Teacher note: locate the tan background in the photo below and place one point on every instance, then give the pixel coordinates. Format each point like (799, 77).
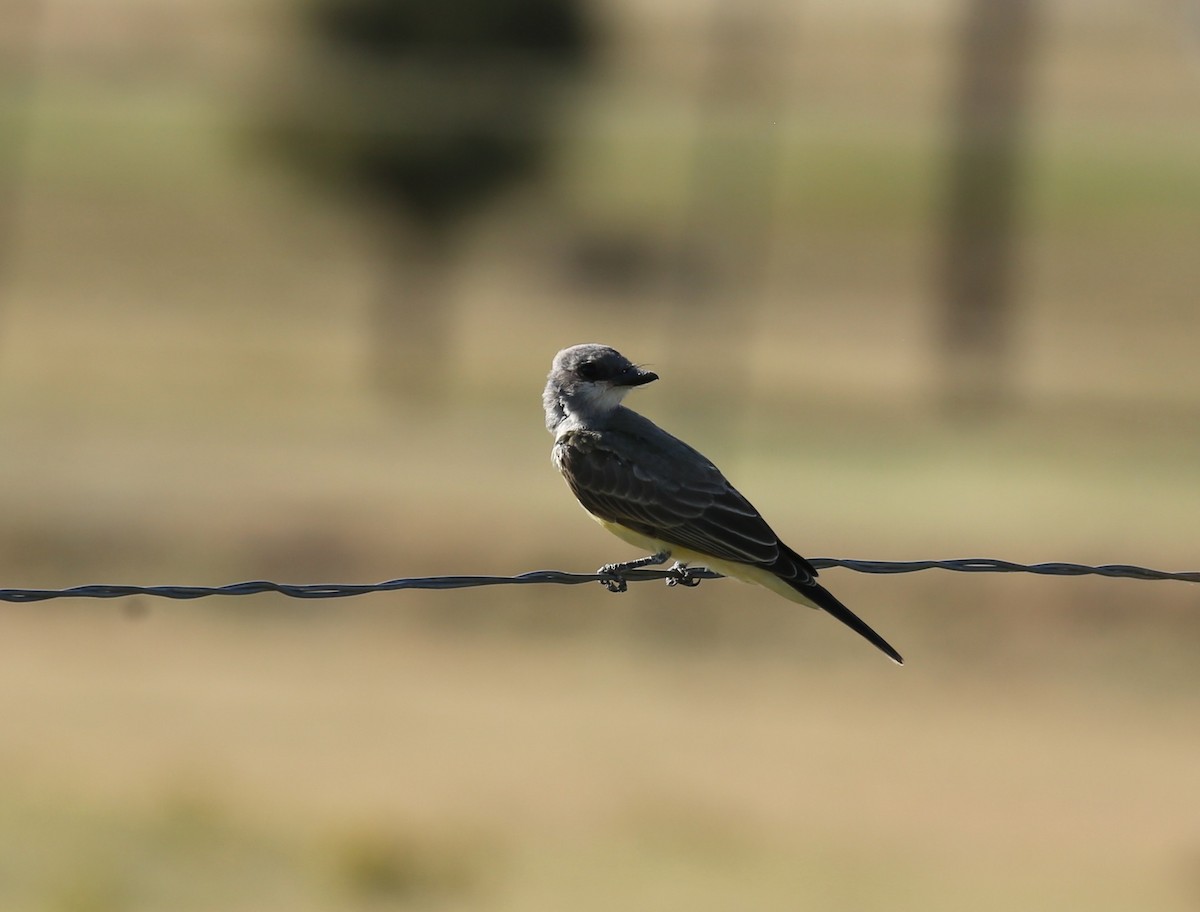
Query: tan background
(183, 400)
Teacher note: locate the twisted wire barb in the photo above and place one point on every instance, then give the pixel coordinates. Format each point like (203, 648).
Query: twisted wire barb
(343, 590)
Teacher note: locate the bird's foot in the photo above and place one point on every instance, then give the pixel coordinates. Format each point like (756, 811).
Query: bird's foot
(617, 582)
(682, 576)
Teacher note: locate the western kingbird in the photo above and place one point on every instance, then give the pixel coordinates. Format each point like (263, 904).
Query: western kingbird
(654, 491)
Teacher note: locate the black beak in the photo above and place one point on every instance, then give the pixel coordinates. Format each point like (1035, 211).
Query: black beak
(635, 376)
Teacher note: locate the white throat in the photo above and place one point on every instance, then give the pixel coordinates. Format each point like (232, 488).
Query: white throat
(588, 407)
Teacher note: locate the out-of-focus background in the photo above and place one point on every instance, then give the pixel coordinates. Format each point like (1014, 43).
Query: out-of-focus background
(279, 285)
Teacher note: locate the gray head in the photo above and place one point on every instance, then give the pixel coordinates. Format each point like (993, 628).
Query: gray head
(587, 382)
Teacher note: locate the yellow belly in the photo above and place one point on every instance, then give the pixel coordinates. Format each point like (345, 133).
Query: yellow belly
(745, 572)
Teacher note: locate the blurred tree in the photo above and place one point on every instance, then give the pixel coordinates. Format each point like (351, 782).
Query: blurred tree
(423, 110)
(979, 247)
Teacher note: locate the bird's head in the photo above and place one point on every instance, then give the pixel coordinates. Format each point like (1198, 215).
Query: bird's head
(589, 381)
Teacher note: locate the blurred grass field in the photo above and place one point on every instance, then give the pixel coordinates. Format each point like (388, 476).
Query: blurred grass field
(182, 393)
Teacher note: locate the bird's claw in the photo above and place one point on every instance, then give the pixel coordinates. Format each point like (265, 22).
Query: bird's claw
(682, 576)
(617, 582)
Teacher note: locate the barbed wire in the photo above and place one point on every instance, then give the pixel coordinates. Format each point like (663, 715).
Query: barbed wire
(538, 577)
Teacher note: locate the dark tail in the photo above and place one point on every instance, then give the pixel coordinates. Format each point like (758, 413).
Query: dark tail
(822, 597)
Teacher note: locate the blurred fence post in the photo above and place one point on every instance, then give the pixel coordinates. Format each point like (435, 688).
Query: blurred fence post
(734, 176)
(980, 222)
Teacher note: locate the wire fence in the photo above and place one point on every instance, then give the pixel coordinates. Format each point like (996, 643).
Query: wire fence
(539, 577)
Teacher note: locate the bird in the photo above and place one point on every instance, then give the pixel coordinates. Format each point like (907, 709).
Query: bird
(656, 492)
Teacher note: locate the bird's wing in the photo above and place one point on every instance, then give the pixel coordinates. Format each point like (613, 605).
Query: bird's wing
(662, 488)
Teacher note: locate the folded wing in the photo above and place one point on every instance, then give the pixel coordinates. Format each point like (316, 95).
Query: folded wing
(677, 497)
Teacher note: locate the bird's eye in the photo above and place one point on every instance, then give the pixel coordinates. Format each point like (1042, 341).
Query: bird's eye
(589, 370)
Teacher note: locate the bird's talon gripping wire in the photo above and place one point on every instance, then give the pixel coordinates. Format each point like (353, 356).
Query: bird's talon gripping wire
(617, 582)
(681, 576)
(615, 570)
